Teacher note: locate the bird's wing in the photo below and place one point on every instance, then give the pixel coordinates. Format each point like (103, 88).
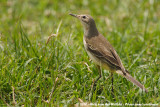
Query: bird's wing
(105, 55)
(116, 56)
(104, 51)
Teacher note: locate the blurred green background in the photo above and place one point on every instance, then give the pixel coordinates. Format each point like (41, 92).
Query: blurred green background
(34, 72)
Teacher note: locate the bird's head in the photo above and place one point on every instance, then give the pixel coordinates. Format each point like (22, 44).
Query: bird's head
(88, 23)
(86, 20)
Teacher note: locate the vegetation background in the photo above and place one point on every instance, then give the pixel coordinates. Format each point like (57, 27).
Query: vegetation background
(59, 72)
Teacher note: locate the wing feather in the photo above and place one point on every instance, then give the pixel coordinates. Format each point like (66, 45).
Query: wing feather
(105, 57)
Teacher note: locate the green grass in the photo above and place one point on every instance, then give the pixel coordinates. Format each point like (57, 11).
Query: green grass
(29, 67)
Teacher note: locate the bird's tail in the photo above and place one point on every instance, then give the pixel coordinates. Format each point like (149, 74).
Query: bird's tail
(133, 80)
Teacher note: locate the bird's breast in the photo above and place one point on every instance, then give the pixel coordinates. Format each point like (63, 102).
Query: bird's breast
(94, 58)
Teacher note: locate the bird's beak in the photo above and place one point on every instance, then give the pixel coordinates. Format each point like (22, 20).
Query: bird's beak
(74, 15)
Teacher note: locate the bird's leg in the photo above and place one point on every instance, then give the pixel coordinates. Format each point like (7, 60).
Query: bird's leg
(94, 83)
(112, 82)
(100, 75)
(112, 87)
(111, 75)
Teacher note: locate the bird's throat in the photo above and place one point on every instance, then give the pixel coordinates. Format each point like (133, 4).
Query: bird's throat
(90, 31)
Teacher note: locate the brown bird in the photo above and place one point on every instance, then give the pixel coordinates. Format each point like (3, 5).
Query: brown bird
(101, 51)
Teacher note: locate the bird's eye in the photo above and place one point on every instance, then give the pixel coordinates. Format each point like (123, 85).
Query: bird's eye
(83, 17)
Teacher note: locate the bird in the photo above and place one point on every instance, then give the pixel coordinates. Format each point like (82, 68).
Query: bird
(101, 51)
